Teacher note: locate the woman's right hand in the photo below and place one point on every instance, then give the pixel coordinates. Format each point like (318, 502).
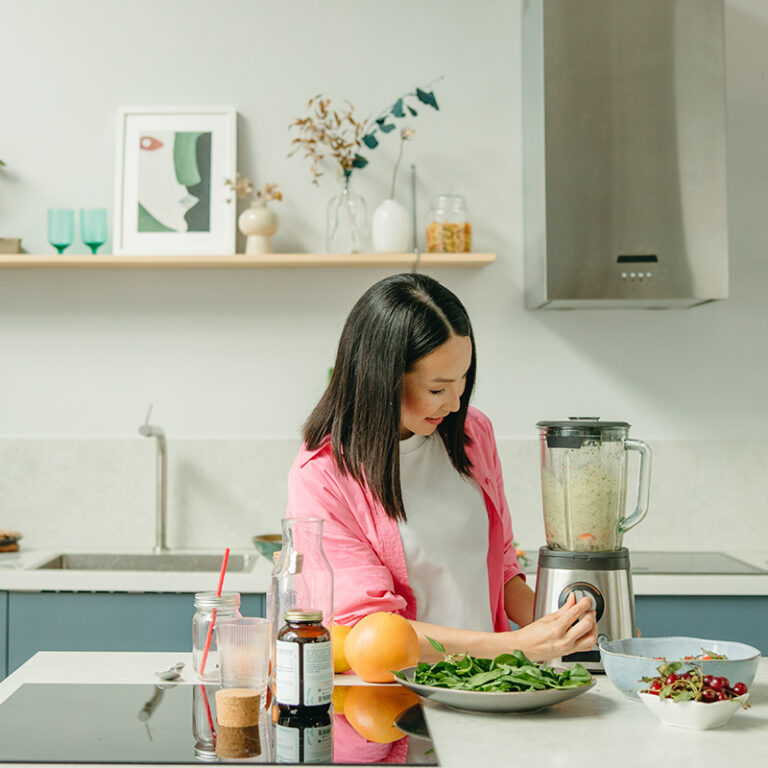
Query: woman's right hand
(569, 629)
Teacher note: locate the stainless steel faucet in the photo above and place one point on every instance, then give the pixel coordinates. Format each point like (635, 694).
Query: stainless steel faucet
(161, 504)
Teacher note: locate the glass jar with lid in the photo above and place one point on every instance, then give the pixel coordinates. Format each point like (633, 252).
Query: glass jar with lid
(210, 607)
(449, 230)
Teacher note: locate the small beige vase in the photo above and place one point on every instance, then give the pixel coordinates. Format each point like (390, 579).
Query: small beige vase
(258, 223)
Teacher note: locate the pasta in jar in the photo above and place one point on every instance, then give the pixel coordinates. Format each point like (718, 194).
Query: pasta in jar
(449, 231)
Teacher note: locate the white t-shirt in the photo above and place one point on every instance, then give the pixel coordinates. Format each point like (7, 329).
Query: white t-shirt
(445, 539)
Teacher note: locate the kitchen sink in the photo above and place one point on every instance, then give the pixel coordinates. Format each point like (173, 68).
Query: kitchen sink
(165, 561)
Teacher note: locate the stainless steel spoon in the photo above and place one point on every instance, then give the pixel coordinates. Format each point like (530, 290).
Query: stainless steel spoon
(172, 672)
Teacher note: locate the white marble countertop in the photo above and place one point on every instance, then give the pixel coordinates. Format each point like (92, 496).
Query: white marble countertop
(598, 729)
(18, 574)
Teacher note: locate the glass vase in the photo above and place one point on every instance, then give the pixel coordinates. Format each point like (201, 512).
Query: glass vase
(346, 222)
(302, 578)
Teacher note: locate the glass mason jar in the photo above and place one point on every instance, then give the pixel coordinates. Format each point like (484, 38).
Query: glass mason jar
(209, 607)
(346, 222)
(449, 230)
(204, 722)
(302, 578)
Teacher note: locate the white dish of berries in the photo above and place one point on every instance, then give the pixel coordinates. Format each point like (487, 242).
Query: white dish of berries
(687, 699)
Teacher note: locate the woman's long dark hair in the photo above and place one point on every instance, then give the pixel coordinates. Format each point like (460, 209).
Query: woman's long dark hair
(395, 323)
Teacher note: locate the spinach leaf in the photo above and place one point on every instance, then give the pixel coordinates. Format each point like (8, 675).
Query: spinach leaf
(507, 672)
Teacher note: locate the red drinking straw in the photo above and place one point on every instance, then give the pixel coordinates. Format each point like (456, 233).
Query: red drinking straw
(204, 691)
(213, 617)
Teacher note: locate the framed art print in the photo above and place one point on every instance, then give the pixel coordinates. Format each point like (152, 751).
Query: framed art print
(170, 196)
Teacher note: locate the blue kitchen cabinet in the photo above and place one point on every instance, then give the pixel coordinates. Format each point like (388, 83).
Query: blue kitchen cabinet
(743, 618)
(100, 621)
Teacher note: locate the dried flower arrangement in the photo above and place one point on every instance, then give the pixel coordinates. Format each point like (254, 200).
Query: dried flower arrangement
(333, 134)
(243, 187)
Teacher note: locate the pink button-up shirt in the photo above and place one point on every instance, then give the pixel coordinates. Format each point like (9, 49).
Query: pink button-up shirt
(363, 544)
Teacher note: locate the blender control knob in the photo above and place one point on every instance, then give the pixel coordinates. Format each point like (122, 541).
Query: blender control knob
(581, 589)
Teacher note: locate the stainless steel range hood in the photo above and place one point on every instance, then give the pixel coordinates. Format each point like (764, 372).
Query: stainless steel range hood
(624, 153)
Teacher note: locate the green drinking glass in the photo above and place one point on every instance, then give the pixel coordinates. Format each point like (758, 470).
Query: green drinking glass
(93, 227)
(61, 228)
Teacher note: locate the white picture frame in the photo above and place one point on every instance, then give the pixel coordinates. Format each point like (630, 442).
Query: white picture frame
(170, 196)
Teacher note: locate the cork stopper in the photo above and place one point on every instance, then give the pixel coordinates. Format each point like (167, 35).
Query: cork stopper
(238, 742)
(237, 707)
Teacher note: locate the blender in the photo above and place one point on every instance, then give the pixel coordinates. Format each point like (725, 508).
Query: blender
(584, 490)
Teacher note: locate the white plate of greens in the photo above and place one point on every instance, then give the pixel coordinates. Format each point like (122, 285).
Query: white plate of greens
(509, 683)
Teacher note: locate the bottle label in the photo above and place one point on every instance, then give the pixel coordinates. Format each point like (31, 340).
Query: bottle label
(287, 673)
(318, 674)
(286, 744)
(308, 745)
(318, 744)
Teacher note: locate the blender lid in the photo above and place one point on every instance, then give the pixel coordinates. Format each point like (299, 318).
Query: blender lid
(583, 423)
(571, 433)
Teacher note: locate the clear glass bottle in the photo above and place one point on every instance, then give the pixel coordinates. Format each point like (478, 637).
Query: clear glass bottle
(346, 222)
(302, 577)
(208, 607)
(449, 230)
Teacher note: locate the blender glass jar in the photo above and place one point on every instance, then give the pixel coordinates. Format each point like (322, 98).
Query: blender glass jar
(584, 483)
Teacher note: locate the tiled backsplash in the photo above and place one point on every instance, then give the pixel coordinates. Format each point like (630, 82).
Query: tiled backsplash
(101, 493)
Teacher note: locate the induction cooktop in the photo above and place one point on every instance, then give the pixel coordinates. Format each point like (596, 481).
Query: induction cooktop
(681, 563)
(688, 563)
(176, 724)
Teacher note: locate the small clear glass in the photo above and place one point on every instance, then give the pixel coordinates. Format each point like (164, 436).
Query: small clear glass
(61, 228)
(210, 608)
(243, 646)
(93, 227)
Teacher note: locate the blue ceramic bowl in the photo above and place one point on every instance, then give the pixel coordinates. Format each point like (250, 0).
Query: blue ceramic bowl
(268, 544)
(627, 661)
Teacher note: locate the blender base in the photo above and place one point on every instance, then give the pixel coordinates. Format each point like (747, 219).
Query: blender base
(604, 577)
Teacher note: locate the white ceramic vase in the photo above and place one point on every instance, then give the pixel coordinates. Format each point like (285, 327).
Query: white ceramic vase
(258, 223)
(391, 228)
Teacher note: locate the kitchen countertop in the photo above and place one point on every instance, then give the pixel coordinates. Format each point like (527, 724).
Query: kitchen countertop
(599, 728)
(18, 574)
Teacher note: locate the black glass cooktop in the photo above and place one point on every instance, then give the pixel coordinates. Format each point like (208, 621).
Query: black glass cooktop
(176, 724)
(682, 563)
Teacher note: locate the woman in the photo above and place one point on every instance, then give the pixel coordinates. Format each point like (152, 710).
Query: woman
(407, 478)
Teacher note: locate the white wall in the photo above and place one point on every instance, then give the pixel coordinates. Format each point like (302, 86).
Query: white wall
(244, 353)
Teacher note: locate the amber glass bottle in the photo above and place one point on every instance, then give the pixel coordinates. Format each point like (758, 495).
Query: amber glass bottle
(303, 664)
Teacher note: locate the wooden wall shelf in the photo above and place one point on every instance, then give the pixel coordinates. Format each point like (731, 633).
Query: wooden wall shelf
(272, 260)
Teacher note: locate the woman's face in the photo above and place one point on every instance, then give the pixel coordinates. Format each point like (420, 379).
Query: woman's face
(433, 387)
